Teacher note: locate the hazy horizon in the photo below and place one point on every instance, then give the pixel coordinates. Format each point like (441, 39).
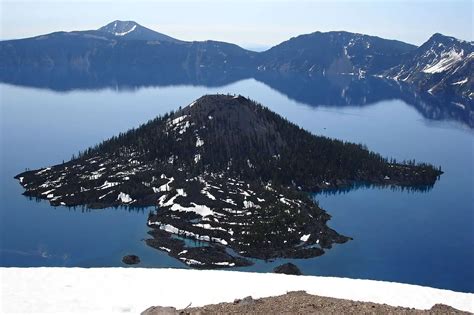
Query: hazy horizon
(255, 25)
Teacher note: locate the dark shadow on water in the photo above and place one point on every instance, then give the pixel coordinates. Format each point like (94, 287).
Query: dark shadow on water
(142, 210)
(365, 185)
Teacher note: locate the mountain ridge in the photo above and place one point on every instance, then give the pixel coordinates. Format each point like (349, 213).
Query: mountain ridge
(145, 53)
(316, 52)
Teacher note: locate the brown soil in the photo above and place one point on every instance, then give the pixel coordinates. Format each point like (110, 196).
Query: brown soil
(299, 302)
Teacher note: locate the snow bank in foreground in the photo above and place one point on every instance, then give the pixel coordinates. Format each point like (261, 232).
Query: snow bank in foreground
(132, 290)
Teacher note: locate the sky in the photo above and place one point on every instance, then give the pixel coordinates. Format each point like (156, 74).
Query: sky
(249, 23)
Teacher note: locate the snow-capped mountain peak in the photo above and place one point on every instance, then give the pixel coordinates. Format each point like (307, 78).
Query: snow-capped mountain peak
(442, 65)
(130, 30)
(442, 53)
(120, 28)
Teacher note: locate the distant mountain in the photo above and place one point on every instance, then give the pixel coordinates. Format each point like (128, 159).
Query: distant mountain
(116, 51)
(131, 30)
(334, 53)
(125, 50)
(441, 66)
(227, 170)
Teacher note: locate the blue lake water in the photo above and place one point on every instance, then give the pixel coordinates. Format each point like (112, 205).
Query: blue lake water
(413, 237)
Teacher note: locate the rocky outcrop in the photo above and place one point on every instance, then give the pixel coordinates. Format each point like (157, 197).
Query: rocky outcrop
(131, 259)
(288, 268)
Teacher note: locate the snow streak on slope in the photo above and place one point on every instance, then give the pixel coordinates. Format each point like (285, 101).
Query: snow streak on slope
(126, 32)
(447, 61)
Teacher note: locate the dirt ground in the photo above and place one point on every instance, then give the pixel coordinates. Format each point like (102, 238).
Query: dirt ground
(299, 302)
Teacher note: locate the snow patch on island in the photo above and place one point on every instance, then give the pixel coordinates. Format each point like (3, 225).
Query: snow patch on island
(199, 142)
(305, 237)
(461, 82)
(197, 158)
(125, 198)
(199, 209)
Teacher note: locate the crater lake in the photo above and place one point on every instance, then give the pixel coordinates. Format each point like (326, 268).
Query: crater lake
(415, 237)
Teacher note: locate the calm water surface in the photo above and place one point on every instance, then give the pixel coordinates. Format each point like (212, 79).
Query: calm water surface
(419, 238)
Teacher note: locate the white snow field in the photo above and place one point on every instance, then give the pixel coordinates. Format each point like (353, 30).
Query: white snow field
(132, 290)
